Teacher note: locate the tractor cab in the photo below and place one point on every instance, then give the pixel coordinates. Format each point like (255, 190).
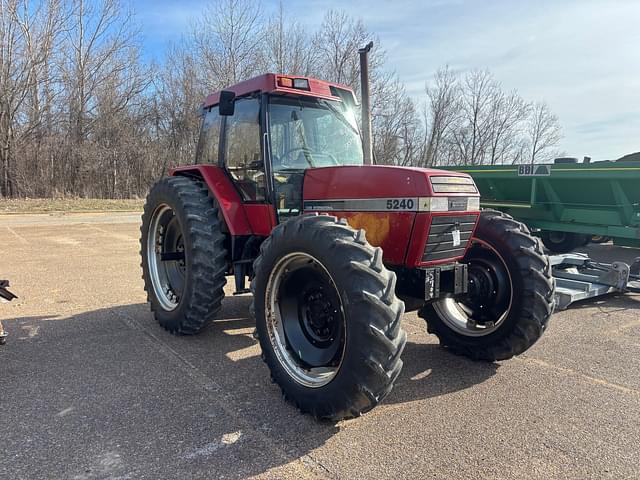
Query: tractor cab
(308, 133)
(266, 132)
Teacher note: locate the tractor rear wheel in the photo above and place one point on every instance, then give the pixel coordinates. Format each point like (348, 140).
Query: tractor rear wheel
(510, 298)
(327, 317)
(563, 242)
(183, 255)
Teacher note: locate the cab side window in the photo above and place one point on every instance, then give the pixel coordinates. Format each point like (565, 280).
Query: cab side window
(243, 156)
(209, 141)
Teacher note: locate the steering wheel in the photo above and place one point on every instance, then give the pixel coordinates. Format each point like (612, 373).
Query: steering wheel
(288, 153)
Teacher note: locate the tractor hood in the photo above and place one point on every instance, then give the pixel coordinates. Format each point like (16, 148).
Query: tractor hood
(395, 206)
(323, 187)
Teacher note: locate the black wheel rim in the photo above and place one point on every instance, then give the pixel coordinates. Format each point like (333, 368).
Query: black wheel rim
(488, 302)
(305, 319)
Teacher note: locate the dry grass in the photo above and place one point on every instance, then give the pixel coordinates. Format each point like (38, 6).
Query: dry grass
(52, 205)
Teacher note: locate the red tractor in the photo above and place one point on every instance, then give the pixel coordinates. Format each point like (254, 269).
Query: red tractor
(335, 248)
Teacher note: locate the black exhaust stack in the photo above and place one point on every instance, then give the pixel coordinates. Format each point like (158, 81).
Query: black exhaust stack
(366, 106)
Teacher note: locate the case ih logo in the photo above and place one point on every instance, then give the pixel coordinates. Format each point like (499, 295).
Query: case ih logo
(457, 204)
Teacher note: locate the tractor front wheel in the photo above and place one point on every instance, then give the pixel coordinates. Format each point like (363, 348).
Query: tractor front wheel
(510, 297)
(327, 317)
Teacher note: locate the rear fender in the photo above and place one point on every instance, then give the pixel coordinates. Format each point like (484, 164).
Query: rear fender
(241, 219)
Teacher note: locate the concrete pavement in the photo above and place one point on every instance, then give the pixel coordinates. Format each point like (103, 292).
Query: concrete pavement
(91, 387)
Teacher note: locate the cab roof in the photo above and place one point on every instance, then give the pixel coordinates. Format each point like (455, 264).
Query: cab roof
(271, 83)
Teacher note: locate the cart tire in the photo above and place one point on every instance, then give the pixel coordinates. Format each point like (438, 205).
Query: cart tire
(511, 294)
(347, 365)
(180, 211)
(563, 242)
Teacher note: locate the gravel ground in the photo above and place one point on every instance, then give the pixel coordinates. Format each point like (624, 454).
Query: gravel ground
(63, 205)
(91, 387)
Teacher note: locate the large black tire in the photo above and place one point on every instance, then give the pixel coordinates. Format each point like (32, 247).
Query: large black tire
(197, 225)
(563, 242)
(369, 334)
(530, 291)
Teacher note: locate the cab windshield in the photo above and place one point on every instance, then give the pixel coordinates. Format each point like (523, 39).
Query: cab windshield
(308, 133)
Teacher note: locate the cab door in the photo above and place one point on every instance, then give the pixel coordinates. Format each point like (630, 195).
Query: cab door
(243, 158)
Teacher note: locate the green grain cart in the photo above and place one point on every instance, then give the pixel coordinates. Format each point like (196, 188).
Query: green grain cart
(568, 202)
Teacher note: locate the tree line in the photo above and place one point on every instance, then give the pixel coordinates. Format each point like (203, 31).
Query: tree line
(81, 112)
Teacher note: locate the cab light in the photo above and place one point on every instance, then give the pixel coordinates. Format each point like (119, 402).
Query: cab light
(285, 82)
(301, 83)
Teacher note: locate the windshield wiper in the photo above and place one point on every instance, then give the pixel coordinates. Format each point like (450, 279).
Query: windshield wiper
(339, 114)
(306, 151)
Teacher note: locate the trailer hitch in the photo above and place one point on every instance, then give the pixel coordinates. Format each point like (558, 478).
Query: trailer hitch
(578, 278)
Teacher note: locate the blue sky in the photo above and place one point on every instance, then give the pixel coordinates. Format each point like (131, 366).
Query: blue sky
(580, 56)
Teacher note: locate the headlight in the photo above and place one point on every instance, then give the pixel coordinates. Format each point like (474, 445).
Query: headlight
(433, 204)
(473, 203)
(450, 184)
(448, 204)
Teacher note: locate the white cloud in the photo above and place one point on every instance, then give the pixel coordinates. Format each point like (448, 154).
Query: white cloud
(582, 57)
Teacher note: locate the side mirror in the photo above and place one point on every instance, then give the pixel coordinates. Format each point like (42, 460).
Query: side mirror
(227, 105)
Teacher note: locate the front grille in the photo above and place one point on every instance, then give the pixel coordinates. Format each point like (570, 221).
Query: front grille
(440, 241)
(449, 184)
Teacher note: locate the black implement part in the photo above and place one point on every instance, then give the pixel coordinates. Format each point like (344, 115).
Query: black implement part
(4, 293)
(8, 296)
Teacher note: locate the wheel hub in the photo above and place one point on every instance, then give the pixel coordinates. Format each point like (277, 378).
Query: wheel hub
(318, 316)
(482, 287)
(488, 302)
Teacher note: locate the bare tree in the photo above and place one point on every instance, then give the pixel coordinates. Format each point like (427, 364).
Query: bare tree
(508, 111)
(441, 113)
(397, 132)
(27, 35)
(100, 45)
(81, 113)
(473, 133)
(287, 46)
(178, 92)
(228, 40)
(337, 43)
(474, 121)
(101, 76)
(543, 132)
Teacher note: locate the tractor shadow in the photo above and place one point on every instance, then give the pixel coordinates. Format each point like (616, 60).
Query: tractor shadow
(431, 371)
(220, 369)
(428, 369)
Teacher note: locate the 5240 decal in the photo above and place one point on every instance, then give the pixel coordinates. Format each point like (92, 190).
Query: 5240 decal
(400, 204)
